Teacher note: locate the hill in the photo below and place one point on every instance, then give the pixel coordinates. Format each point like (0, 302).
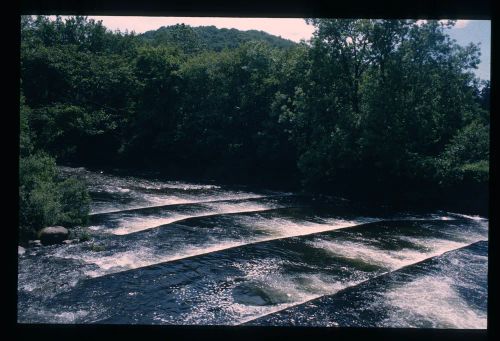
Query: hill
(211, 37)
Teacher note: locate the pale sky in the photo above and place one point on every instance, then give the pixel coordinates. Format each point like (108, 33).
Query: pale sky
(295, 29)
(290, 28)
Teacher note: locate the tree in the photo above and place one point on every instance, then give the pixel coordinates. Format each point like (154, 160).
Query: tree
(380, 100)
(365, 105)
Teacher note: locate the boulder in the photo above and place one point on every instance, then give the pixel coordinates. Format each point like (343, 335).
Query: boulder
(53, 235)
(20, 250)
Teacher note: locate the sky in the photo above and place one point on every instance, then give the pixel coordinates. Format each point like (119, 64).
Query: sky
(464, 32)
(476, 31)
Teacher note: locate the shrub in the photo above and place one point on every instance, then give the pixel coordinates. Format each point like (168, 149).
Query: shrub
(39, 199)
(75, 202)
(44, 200)
(466, 157)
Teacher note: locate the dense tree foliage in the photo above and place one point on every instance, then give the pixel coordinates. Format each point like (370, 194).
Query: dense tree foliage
(383, 106)
(385, 102)
(44, 198)
(209, 37)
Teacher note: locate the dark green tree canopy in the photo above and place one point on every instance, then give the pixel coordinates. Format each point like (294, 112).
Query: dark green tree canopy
(366, 105)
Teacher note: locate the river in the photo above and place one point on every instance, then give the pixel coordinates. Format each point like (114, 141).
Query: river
(170, 252)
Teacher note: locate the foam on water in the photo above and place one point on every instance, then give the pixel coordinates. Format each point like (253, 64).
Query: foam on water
(62, 314)
(150, 201)
(425, 216)
(299, 289)
(64, 317)
(140, 193)
(134, 224)
(176, 185)
(433, 300)
(262, 279)
(280, 227)
(160, 200)
(388, 258)
(445, 218)
(146, 256)
(95, 227)
(102, 180)
(111, 189)
(473, 217)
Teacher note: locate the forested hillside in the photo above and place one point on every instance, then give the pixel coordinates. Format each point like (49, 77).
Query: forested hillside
(210, 37)
(388, 108)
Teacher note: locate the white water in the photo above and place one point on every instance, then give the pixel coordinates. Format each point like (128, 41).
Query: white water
(266, 275)
(408, 297)
(134, 224)
(472, 217)
(428, 298)
(434, 300)
(281, 227)
(274, 228)
(151, 201)
(145, 256)
(391, 260)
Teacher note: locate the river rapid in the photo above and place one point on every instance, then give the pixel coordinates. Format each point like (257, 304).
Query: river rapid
(170, 252)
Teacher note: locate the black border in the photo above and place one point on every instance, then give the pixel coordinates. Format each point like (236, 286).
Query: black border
(422, 9)
(461, 9)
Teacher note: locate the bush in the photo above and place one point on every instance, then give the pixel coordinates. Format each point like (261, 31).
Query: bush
(44, 200)
(477, 172)
(466, 157)
(39, 199)
(470, 144)
(75, 202)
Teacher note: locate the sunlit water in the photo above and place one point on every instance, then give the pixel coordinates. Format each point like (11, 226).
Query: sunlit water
(182, 253)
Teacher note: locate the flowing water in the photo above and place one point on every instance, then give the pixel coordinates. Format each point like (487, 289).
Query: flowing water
(165, 252)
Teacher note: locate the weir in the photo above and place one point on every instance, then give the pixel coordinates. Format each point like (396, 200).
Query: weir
(437, 301)
(230, 261)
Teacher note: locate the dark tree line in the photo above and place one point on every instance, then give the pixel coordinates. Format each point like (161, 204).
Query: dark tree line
(373, 107)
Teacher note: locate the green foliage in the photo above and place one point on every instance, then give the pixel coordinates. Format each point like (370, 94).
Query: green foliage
(39, 200)
(470, 144)
(197, 39)
(466, 156)
(382, 100)
(43, 200)
(478, 172)
(75, 202)
(80, 233)
(35, 169)
(84, 236)
(386, 105)
(25, 138)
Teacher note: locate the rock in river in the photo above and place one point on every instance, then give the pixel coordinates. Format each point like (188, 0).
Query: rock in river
(53, 235)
